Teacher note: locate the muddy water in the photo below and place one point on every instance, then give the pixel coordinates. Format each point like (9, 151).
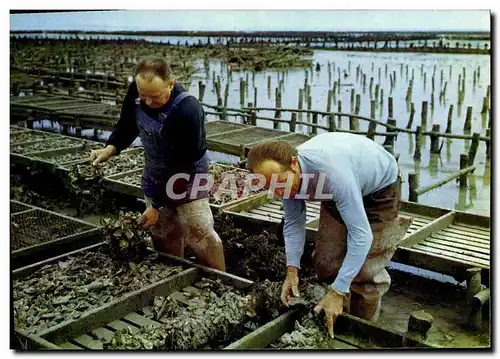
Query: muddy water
(343, 66)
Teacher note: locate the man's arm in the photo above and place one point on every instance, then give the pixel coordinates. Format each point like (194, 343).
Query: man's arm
(294, 230)
(125, 131)
(349, 201)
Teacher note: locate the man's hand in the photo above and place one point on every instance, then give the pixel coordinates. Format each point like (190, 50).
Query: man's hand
(290, 286)
(102, 155)
(332, 304)
(149, 217)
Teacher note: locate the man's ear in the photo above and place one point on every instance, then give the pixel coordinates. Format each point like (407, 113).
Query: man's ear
(294, 160)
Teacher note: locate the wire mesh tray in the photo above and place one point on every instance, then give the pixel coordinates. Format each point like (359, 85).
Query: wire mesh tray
(44, 145)
(16, 207)
(68, 155)
(29, 136)
(48, 233)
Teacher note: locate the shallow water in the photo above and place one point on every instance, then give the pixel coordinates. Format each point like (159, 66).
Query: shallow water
(343, 67)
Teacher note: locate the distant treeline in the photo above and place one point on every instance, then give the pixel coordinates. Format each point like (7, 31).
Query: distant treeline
(337, 35)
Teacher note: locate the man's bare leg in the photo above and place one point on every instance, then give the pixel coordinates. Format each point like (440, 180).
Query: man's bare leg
(198, 223)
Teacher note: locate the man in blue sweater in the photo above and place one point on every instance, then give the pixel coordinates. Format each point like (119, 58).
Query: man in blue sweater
(358, 183)
(171, 125)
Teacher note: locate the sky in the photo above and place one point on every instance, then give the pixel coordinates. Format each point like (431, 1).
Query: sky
(257, 20)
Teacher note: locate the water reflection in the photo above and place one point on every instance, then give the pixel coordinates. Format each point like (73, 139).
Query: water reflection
(471, 180)
(410, 144)
(448, 142)
(486, 174)
(484, 117)
(461, 204)
(433, 165)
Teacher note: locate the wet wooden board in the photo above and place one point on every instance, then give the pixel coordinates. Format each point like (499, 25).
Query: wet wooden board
(249, 135)
(35, 99)
(70, 346)
(102, 333)
(296, 139)
(219, 127)
(117, 325)
(88, 342)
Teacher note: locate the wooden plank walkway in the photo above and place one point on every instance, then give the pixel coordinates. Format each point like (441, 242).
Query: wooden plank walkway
(449, 242)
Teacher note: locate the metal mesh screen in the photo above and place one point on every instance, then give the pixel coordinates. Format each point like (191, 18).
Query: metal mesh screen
(52, 144)
(132, 179)
(18, 207)
(37, 226)
(65, 158)
(28, 136)
(123, 163)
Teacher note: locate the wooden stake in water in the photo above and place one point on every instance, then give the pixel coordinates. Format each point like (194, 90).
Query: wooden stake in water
(277, 114)
(293, 122)
(314, 129)
(449, 77)
(413, 184)
(486, 105)
(226, 95)
(268, 86)
(409, 92)
(435, 139)
(309, 104)
(372, 125)
(331, 124)
(389, 140)
(488, 144)
(379, 74)
(329, 101)
(425, 81)
(473, 148)
(352, 100)
(468, 120)
(201, 91)
(339, 109)
(217, 91)
(385, 70)
(442, 95)
(450, 117)
(418, 143)
(381, 97)
(358, 104)
(242, 91)
(255, 96)
(423, 122)
(401, 70)
(464, 161)
(371, 87)
(377, 86)
(412, 115)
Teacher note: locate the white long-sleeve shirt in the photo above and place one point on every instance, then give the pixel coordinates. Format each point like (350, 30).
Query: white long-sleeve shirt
(352, 166)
